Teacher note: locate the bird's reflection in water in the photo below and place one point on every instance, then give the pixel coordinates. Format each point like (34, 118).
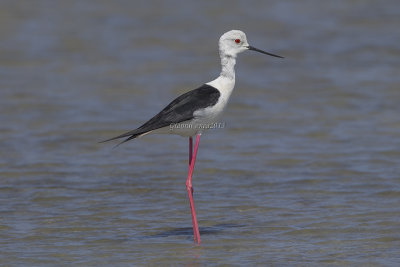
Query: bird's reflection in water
(188, 231)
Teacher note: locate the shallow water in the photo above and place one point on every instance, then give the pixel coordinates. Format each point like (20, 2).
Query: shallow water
(305, 171)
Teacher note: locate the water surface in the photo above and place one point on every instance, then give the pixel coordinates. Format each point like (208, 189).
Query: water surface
(305, 171)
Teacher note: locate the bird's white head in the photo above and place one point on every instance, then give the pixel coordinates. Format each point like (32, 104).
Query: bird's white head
(234, 42)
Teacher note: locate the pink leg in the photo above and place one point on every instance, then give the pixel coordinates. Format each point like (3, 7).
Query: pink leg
(190, 149)
(192, 159)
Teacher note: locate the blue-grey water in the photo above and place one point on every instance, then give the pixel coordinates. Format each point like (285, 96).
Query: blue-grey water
(304, 173)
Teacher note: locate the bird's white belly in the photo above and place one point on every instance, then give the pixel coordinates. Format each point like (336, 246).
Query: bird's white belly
(192, 127)
(204, 119)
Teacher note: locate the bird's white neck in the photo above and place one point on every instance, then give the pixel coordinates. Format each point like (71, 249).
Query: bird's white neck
(228, 66)
(226, 80)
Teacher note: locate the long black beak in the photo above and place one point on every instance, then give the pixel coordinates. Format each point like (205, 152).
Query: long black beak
(259, 50)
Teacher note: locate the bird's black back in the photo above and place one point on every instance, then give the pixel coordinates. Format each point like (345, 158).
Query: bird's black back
(179, 110)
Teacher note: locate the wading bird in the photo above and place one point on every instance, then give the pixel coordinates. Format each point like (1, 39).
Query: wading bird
(189, 114)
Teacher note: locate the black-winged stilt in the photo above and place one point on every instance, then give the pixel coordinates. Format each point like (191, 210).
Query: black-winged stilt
(191, 113)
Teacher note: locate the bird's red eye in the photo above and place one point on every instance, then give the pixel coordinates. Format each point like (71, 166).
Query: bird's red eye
(237, 41)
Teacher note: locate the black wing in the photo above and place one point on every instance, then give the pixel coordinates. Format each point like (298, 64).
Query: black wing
(179, 110)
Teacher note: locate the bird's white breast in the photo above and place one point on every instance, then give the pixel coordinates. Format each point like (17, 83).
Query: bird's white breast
(225, 86)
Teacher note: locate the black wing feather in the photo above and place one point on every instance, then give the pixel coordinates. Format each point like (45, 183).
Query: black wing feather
(179, 110)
